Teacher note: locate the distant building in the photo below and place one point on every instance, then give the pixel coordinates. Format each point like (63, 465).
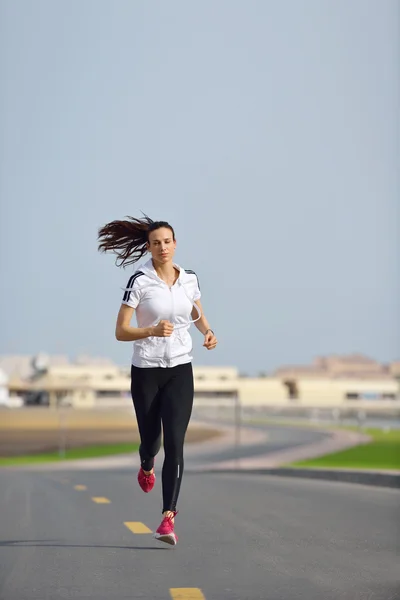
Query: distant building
(4, 393)
(394, 369)
(353, 365)
(330, 381)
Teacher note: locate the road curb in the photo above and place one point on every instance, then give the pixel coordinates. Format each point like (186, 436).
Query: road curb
(373, 478)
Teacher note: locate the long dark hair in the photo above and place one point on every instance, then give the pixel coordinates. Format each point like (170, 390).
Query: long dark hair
(128, 239)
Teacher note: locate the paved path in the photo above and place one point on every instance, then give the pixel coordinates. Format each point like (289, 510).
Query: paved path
(281, 445)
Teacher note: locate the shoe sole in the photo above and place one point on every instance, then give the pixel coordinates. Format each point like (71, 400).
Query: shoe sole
(167, 538)
(146, 491)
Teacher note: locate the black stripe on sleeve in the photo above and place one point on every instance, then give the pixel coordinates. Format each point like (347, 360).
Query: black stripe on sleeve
(131, 282)
(190, 272)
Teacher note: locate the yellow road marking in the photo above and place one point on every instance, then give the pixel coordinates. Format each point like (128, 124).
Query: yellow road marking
(186, 594)
(137, 527)
(100, 500)
(80, 487)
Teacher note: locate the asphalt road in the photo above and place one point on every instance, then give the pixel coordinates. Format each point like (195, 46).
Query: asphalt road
(277, 438)
(240, 538)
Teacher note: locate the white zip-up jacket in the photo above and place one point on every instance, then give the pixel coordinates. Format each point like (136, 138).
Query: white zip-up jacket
(154, 301)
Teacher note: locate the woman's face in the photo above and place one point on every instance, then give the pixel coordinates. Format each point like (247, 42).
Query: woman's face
(162, 245)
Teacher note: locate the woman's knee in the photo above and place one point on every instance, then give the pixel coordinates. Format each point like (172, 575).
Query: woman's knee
(151, 444)
(173, 449)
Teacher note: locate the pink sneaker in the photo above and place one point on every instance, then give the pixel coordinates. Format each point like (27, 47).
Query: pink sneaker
(165, 532)
(146, 482)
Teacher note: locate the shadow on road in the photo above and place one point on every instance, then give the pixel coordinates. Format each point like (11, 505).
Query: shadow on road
(51, 544)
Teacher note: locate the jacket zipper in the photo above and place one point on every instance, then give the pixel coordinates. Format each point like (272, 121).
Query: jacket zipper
(169, 340)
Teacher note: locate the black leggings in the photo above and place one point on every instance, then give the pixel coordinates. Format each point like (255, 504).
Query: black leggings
(163, 396)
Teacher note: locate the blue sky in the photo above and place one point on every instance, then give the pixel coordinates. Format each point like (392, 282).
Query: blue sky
(266, 132)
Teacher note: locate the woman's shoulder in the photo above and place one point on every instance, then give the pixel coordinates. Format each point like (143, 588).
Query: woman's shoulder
(189, 273)
(136, 278)
(192, 276)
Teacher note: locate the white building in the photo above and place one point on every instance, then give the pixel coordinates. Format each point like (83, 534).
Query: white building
(331, 382)
(4, 393)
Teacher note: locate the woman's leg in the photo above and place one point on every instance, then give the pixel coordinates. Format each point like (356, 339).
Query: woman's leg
(176, 409)
(146, 401)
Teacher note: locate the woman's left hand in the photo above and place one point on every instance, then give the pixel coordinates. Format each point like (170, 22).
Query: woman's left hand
(210, 341)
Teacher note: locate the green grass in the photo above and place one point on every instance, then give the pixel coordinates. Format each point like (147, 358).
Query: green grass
(70, 454)
(383, 452)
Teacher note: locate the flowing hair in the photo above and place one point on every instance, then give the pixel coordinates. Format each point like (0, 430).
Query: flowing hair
(128, 239)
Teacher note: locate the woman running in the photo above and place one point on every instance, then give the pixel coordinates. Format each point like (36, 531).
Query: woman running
(166, 299)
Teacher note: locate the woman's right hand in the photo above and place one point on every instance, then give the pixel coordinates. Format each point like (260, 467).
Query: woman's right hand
(163, 329)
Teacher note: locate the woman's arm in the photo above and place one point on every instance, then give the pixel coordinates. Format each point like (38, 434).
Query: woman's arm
(125, 333)
(123, 330)
(210, 341)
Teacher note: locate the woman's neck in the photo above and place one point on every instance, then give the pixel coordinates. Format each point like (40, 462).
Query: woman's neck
(165, 271)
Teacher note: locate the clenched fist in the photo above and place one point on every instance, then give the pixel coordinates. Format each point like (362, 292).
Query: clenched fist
(210, 341)
(163, 329)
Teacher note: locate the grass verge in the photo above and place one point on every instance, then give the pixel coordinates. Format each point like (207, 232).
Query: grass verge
(382, 453)
(71, 454)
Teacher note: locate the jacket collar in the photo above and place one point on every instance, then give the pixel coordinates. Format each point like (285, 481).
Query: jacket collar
(149, 270)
